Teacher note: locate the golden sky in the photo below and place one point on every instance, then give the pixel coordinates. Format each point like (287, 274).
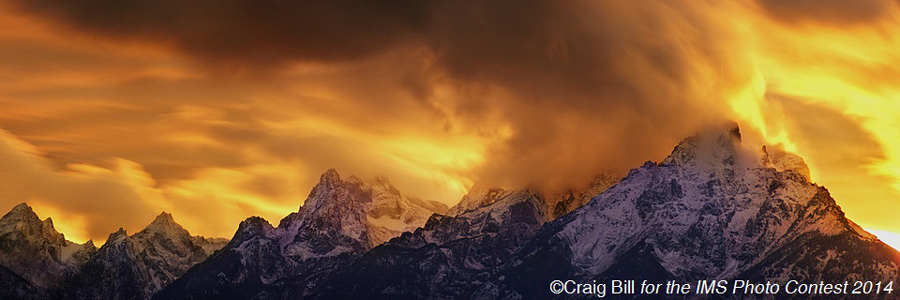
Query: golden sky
(112, 111)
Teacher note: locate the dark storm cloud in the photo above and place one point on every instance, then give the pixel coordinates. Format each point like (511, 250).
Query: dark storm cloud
(622, 80)
(839, 12)
(586, 86)
(245, 30)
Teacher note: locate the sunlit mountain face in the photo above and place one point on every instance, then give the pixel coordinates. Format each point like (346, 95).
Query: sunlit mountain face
(218, 110)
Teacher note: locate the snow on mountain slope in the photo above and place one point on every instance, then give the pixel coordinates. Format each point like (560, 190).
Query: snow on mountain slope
(500, 209)
(34, 249)
(349, 216)
(453, 254)
(711, 210)
(712, 190)
(340, 220)
(447, 257)
(393, 214)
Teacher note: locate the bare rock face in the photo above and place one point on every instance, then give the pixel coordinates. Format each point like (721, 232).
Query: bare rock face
(40, 262)
(34, 250)
(139, 265)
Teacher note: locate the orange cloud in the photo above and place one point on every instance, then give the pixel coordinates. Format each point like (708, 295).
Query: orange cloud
(207, 112)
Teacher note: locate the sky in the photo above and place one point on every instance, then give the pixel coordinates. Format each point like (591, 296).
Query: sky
(112, 111)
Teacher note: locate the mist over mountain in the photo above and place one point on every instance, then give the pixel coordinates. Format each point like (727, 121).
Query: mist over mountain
(713, 209)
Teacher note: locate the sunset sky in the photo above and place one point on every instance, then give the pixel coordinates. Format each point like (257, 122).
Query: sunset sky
(214, 110)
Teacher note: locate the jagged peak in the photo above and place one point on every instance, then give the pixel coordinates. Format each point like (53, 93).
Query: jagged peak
(22, 218)
(252, 228)
(718, 143)
(164, 224)
(327, 182)
(163, 218)
(164, 221)
(735, 130)
(21, 212)
(50, 231)
(118, 235)
(254, 225)
(330, 176)
(22, 208)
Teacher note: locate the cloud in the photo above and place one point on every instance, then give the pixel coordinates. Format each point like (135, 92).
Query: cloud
(835, 12)
(434, 94)
(109, 198)
(579, 84)
(259, 32)
(530, 78)
(845, 165)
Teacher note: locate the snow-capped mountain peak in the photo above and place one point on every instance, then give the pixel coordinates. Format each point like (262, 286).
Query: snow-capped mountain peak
(341, 219)
(165, 226)
(163, 219)
(712, 147)
(349, 215)
(712, 209)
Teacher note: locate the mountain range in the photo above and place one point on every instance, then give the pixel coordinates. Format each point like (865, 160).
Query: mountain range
(713, 209)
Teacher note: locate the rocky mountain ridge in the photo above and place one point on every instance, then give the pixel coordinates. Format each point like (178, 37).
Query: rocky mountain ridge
(34, 249)
(40, 261)
(340, 220)
(712, 209)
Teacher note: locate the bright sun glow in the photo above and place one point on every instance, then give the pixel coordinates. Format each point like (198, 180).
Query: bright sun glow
(890, 238)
